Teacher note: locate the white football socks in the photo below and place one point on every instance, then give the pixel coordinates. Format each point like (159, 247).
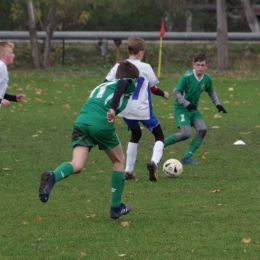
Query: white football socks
(157, 152)
(131, 153)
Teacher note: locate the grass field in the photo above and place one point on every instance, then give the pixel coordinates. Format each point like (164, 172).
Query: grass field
(210, 212)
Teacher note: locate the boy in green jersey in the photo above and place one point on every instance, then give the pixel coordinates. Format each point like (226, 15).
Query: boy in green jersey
(187, 93)
(95, 126)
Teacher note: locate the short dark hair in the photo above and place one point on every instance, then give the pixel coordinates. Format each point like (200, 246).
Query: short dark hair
(126, 69)
(199, 56)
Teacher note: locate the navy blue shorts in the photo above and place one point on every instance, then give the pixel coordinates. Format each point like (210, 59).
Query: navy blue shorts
(150, 124)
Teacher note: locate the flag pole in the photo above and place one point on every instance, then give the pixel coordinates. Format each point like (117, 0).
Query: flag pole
(162, 32)
(160, 58)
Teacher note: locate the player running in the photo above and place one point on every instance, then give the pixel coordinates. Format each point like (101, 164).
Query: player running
(139, 110)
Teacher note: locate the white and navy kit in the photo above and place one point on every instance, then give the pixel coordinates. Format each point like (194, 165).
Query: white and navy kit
(139, 107)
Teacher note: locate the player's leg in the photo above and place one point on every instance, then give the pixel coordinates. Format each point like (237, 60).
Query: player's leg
(201, 131)
(109, 142)
(131, 152)
(117, 158)
(154, 127)
(49, 178)
(80, 142)
(183, 122)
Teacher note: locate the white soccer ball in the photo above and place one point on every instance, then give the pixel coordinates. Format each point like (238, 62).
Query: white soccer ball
(172, 168)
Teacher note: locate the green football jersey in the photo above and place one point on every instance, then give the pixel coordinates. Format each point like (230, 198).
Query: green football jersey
(94, 111)
(192, 88)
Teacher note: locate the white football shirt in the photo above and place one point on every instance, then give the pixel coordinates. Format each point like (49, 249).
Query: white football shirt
(139, 106)
(3, 79)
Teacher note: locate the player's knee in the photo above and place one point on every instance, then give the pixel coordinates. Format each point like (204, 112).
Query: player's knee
(158, 133)
(201, 133)
(136, 134)
(77, 166)
(185, 136)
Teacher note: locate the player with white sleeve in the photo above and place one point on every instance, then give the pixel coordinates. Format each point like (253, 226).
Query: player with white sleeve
(139, 109)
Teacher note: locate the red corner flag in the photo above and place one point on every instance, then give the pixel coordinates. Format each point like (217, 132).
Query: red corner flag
(162, 31)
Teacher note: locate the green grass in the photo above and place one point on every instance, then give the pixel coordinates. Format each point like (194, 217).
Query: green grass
(177, 218)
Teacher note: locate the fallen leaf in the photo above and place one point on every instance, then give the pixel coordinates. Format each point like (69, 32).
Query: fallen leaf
(118, 121)
(34, 135)
(215, 127)
(39, 218)
(216, 191)
(122, 255)
(203, 157)
(236, 102)
(91, 216)
(25, 222)
(66, 106)
(230, 89)
(217, 116)
(6, 169)
(101, 171)
(125, 223)
(83, 254)
(246, 240)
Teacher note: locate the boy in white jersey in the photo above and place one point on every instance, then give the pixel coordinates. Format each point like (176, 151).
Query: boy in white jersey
(7, 58)
(187, 93)
(139, 109)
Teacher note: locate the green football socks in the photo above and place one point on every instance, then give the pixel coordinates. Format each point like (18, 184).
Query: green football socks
(63, 171)
(170, 140)
(194, 145)
(117, 187)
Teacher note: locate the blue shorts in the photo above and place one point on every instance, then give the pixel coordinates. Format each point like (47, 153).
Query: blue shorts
(150, 124)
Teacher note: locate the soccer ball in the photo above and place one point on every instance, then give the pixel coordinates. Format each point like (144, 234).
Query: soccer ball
(172, 168)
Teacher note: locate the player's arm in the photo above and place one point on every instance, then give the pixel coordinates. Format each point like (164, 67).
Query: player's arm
(214, 98)
(178, 95)
(121, 87)
(10, 97)
(158, 92)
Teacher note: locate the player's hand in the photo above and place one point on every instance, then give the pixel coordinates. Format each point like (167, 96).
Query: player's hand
(20, 97)
(191, 107)
(166, 95)
(110, 115)
(221, 108)
(5, 102)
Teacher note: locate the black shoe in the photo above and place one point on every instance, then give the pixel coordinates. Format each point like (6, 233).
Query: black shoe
(152, 168)
(46, 185)
(129, 176)
(116, 212)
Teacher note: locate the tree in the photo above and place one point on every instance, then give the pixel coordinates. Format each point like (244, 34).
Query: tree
(222, 35)
(50, 27)
(33, 34)
(251, 17)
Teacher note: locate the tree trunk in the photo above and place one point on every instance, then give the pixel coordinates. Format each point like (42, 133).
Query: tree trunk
(50, 27)
(33, 35)
(250, 16)
(222, 35)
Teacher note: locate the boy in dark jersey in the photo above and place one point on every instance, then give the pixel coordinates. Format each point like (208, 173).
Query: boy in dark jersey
(187, 93)
(95, 126)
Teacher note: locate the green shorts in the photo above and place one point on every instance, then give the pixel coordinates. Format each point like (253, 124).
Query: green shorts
(89, 135)
(185, 118)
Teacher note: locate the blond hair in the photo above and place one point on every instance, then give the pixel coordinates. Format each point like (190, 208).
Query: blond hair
(4, 46)
(135, 45)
